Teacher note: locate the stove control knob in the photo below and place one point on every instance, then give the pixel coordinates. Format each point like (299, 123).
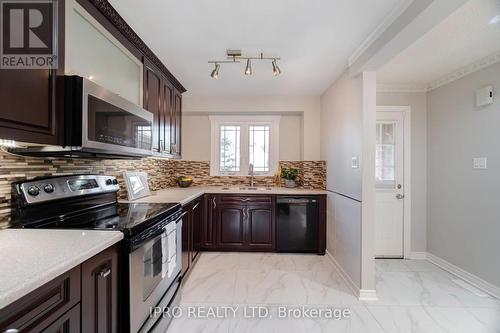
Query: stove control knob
(115, 181)
(33, 191)
(109, 181)
(49, 188)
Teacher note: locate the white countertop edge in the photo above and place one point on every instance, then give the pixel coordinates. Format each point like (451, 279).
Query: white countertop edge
(185, 195)
(21, 290)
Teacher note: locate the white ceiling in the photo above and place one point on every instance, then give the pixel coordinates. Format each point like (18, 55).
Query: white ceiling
(314, 38)
(465, 37)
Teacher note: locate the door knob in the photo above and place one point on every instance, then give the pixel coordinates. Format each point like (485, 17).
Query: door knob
(399, 196)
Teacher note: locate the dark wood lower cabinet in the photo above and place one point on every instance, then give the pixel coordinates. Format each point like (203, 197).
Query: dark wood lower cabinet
(84, 299)
(197, 223)
(191, 233)
(37, 310)
(67, 323)
(208, 237)
(100, 292)
(239, 223)
(230, 225)
(261, 228)
(235, 222)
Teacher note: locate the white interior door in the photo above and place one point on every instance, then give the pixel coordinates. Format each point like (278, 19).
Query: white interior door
(389, 176)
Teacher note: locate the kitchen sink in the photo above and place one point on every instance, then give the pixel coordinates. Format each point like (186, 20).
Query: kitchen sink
(247, 188)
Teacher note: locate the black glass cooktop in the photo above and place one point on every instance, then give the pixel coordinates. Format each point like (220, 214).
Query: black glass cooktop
(130, 218)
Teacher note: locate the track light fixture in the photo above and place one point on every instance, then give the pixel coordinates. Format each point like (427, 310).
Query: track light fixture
(215, 72)
(234, 56)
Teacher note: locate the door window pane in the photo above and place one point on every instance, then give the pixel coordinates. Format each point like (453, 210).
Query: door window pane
(259, 147)
(385, 155)
(229, 148)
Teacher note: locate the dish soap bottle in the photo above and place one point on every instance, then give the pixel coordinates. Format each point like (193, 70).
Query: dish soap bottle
(277, 177)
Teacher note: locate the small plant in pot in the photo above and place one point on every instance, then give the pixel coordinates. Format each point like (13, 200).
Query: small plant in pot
(290, 176)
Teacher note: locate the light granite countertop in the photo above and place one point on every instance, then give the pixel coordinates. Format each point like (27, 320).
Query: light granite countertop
(186, 195)
(32, 257)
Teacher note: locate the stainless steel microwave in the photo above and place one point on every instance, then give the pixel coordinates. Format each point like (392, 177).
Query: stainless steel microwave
(98, 122)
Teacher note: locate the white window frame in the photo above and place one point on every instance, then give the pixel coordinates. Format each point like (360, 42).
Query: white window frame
(244, 122)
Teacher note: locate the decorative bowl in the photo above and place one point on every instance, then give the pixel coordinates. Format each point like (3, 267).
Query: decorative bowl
(184, 181)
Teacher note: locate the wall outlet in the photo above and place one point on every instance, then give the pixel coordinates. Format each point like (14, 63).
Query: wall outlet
(355, 162)
(480, 163)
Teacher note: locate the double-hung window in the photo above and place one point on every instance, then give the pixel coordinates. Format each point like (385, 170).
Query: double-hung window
(238, 141)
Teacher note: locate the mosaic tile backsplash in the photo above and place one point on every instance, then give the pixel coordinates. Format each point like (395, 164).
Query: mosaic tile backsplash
(162, 173)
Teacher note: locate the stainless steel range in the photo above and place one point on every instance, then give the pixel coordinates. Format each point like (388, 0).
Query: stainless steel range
(151, 252)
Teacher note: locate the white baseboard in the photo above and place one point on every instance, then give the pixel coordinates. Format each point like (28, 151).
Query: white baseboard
(362, 294)
(418, 255)
(474, 280)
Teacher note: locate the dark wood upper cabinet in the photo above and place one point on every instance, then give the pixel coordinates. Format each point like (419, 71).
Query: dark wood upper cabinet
(165, 102)
(168, 97)
(153, 103)
(176, 124)
(100, 292)
(29, 99)
(32, 100)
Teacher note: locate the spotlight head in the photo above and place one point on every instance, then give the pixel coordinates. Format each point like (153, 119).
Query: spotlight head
(215, 72)
(276, 69)
(248, 69)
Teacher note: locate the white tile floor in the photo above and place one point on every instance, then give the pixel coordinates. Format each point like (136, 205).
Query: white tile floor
(414, 296)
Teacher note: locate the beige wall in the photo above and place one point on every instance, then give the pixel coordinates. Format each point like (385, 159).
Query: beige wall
(348, 129)
(418, 116)
(299, 134)
(196, 138)
(463, 203)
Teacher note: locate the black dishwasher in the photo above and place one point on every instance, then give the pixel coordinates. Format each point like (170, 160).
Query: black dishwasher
(297, 227)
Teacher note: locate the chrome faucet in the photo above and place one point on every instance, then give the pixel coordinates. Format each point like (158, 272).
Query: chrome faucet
(250, 171)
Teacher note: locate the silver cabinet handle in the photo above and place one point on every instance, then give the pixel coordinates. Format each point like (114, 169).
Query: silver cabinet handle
(11, 330)
(215, 204)
(399, 196)
(195, 206)
(105, 272)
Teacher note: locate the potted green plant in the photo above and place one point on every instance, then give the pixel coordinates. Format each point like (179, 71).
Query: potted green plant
(290, 176)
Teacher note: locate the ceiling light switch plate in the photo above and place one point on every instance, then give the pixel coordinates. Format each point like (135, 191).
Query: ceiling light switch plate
(484, 96)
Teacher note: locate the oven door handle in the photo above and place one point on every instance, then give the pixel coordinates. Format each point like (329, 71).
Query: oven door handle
(137, 243)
